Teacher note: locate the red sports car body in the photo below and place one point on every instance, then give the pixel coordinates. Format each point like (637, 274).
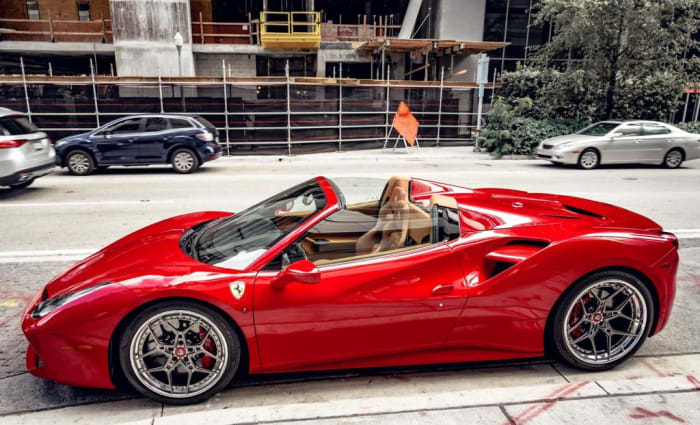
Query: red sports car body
(414, 272)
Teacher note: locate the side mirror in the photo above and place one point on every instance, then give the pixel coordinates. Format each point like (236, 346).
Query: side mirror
(617, 134)
(303, 271)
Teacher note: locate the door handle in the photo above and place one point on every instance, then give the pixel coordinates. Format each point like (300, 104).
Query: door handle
(442, 289)
(637, 141)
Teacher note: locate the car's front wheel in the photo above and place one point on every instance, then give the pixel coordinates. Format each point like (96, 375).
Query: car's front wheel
(184, 161)
(602, 320)
(179, 353)
(589, 159)
(80, 163)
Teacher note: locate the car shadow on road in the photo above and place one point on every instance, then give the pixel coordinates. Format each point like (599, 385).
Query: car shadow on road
(145, 170)
(8, 194)
(611, 167)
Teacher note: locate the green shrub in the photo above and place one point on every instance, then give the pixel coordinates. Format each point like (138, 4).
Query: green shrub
(690, 127)
(511, 131)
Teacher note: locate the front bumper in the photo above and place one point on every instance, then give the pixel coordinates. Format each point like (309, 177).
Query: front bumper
(27, 174)
(558, 156)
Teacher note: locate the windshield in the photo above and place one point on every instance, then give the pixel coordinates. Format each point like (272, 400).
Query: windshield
(238, 241)
(599, 129)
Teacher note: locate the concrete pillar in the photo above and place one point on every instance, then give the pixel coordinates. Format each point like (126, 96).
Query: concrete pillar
(460, 20)
(144, 32)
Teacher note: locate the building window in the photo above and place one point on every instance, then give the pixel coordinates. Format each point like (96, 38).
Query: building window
(33, 9)
(83, 11)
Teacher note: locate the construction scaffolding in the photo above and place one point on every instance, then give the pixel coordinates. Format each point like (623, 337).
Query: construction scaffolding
(252, 113)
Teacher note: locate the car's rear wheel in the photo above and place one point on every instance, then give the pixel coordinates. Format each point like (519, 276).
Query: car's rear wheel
(23, 184)
(589, 159)
(602, 320)
(184, 161)
(179, 353)
(673, 158)
(80, 163)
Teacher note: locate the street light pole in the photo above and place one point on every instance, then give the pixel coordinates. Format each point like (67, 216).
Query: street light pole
(179, 41)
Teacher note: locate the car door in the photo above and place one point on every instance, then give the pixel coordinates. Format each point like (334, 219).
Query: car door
(151, 143)
(115, 144)
(656, 141)
(626, 146)
(362, 309)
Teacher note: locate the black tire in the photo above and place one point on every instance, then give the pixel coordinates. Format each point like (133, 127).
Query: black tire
(184, 161)
(589, 159)
(80, 163)
(570, 298)
(229, 337)
(22, 185)
(673, 158)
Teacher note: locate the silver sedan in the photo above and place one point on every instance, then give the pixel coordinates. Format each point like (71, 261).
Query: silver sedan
(622, 142)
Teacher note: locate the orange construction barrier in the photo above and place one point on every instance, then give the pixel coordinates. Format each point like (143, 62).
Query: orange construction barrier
(406, 125)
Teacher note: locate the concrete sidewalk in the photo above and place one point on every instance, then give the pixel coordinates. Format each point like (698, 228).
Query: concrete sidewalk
(645, 390)
(428, 154)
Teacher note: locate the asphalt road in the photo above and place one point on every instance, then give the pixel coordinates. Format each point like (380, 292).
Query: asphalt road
(62, 218)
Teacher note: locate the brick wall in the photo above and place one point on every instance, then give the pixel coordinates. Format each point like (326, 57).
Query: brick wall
(203, 6)
(59, 9)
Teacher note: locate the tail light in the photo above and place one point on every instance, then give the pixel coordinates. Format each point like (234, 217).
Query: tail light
(4, 144)
(205, 137)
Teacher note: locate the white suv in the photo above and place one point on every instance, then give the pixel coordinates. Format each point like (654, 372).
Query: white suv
(25, 152)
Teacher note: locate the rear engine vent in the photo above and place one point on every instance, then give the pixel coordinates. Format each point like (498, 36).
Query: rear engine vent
(583, 212)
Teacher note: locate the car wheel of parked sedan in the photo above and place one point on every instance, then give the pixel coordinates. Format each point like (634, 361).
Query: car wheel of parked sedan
(602, 320)
(589, 159)
(184, 161)
(673, 159)
(22, 185)
(179, 353)
(80, 163)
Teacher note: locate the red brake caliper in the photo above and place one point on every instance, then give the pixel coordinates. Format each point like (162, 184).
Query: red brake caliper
(576, 313)
(207, 361)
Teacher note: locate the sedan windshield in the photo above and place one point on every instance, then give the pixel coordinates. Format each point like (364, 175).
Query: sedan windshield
(238, 241)
(599, 129)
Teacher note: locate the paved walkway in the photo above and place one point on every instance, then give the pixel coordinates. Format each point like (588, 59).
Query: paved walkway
(646, 390)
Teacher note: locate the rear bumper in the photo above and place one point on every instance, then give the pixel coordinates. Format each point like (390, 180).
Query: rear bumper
(27, 174)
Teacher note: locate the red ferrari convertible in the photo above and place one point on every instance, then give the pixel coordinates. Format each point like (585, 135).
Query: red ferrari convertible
(350, 273)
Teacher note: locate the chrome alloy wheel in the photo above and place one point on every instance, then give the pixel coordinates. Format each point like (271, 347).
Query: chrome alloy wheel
(589, 159)
(605, 322)
(79, 163)
(183, 161)
(178, 354)
(673, 159)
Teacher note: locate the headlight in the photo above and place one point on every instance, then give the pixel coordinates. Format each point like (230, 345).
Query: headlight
(47, 306)
(563, 145)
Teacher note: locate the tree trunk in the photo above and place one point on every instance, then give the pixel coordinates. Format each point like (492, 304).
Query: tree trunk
(610, 93)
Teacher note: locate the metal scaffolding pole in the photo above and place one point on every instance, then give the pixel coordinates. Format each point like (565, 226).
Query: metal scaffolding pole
(94, 93)
(439, 119)
(697, 107)
(340, 111)
(289, 111)
(26, 92)
(386, 114)
(223, 72)
(160, 92)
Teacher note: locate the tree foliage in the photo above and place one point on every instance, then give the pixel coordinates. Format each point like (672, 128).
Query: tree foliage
(623, 59)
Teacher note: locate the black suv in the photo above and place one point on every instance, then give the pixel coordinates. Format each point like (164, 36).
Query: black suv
(185, 142)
